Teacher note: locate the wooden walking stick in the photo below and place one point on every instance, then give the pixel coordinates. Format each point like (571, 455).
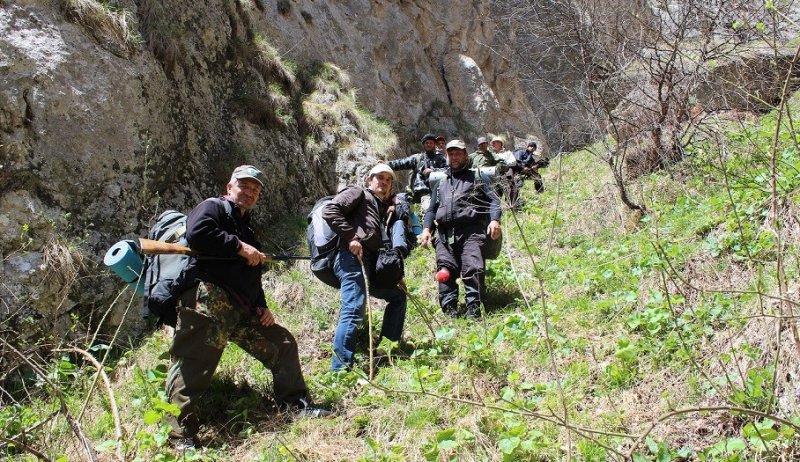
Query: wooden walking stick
(369, 321)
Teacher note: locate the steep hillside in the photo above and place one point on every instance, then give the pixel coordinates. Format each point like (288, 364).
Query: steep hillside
(609, 336)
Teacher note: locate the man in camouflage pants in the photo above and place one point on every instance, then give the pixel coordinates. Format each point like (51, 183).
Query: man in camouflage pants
(225, 302)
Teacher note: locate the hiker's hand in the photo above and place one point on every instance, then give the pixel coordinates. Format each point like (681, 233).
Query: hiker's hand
(355, 248)
(251, 255)
(426, 172)
(425, 238)
(265, 316)
(493, 230)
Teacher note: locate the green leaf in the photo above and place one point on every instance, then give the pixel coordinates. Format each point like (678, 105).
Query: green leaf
(151, 416)
(432, 454)
(445, 334)
(371, 444)
(735, 445)
(509, 445)
(446, 439)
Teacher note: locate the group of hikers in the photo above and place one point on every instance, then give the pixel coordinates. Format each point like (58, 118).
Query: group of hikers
(222, 299)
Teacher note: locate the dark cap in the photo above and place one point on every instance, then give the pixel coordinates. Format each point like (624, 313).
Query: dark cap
(428, 137)
(440, 138)
(532, 144)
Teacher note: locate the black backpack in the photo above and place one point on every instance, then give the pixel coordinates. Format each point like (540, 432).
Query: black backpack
(323, 244)
(163, 283)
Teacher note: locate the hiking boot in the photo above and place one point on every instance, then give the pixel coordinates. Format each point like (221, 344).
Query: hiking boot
(474, 312)
(450, 310)
(182, 444)
(303, 408)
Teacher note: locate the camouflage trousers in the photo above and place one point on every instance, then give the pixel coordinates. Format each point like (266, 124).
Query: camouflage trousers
(207, 321)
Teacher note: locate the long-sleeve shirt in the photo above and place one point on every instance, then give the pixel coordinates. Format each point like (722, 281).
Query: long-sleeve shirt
(463, 197)
(357, 212)
(212, 231)
(418, 183)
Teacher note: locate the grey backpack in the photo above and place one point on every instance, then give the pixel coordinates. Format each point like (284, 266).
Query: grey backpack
(163, 283)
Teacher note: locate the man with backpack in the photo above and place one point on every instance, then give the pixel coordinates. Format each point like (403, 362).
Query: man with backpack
(222, 300)
(361, 217)
(421, 165)
(465, 210)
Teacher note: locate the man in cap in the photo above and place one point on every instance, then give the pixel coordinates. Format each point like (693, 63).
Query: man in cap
(421, 165)
(502, 160)
(481, 157)
(441, 141)
(465, 210)
(223, 300)
(357, 215)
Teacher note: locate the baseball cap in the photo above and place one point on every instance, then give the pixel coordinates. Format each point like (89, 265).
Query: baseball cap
(456, 144)
(482, 140)
(381, 168)
(532, 144)
(497, 138)
(427, 137)
(441, 138)
(248, 171)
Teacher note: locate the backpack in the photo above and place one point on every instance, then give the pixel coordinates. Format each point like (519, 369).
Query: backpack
(323, 244)
(163, 273)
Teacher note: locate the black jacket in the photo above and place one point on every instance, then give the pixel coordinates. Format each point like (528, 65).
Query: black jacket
(463, 198)
(211, 231)
(418, 183)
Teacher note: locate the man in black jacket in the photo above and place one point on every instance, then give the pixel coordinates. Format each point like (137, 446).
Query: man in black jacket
(225, 302)
(357, 214)
(421, 165)
(467, 211)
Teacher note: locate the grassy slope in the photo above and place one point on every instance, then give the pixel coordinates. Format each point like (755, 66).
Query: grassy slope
(637, 320)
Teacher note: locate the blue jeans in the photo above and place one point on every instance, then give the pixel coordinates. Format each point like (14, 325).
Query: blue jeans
(353, 292)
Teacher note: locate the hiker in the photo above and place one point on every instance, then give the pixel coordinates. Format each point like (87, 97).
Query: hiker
(441, 141)
(225, 302)
(357, 215)
(421, 165)
(483, 150)
(503, 161)
(528, 165)
(466, 212)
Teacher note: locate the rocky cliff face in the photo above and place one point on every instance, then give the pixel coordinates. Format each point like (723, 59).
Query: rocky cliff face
(110, 114)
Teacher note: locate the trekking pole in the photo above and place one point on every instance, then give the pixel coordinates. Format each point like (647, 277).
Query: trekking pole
(151, 247)
(369, 321)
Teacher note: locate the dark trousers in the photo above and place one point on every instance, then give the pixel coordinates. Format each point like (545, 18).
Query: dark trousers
(201, 334)
(462, 255)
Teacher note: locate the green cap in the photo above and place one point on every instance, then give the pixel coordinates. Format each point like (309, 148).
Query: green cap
(248, 171)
